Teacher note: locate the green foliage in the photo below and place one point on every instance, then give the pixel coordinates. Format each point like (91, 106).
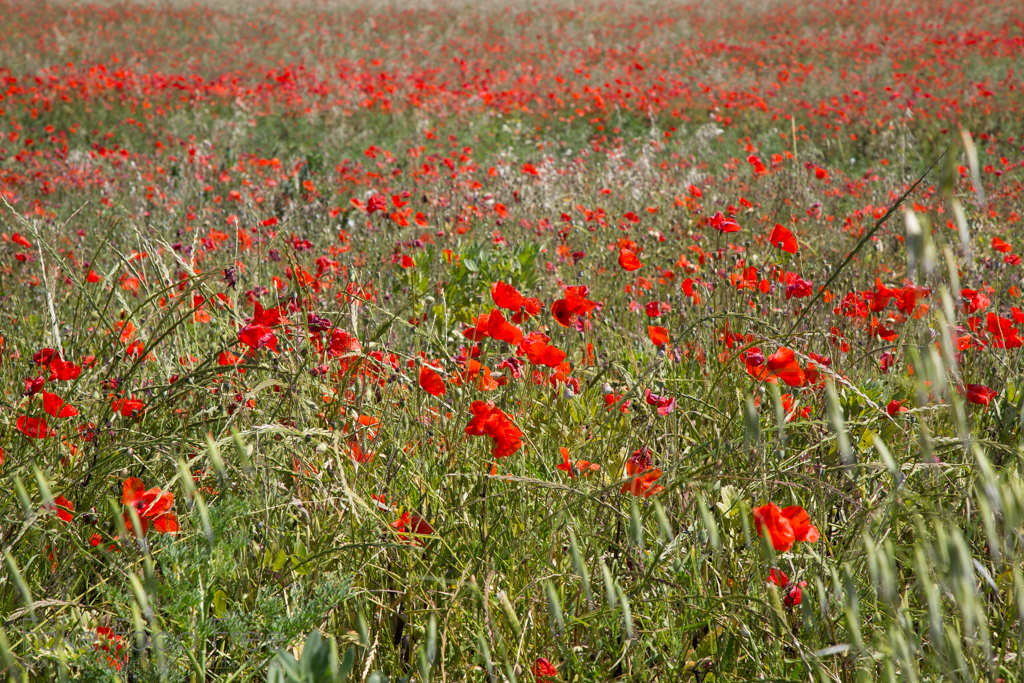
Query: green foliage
(317, 664)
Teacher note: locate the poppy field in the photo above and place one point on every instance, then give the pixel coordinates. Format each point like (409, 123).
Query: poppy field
(512, 342)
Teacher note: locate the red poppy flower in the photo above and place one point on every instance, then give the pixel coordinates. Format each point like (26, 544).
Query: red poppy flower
(778, 577)
(574, 304)
(431, 382)
(539, 352)
(62, 507)
(658, 335)
(33, 385)
(543, 670)
(980, 394)
(799, 289)
(493, 422)
(43, 356)
(655, 308)
(342, 344)
(377, 202)
(129, 407)
(33, 427)
(895, 408)
(481, 328)
(972, 301)
(663, 404)
(152, 506)
(1006, 335)
(502, 330)
(643, 484)
(257, 336)
(506, 296)
(225, 358)
(531, 307)
(723, 224)
(1001, 245)
(753, 357)
(782, 238)
(63, 370)
(412, 524)
(584, 467)
(55, 406)
(783, 364)
(793, 594)
(629, 261)
(784, 527)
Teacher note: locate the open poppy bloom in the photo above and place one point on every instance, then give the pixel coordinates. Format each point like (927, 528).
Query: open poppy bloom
(431, 382)
(895, 408)
(663, 404)
(258, 336)
(629, 260)
(257, 333)
(643, 484)
(753, 357)
(481, 328)
(574, 304)
(63, 370)
(723, 224)
(655, 308)
(342, 344)
(502, 330)
(584, 467)
(33, 427)
(783, 363)
(658, 335)
(152, 506)
(506, 296)
(642, 474)
(33, 385)
(792, 593)
(493, 422)
(799, 288)
(1003, 331)
(412, 524)
(543, 670)
(129, 407)
(539, 352)
(784, 527)
(980, 394)
(782, 238)
(62, 507)
(55, 406)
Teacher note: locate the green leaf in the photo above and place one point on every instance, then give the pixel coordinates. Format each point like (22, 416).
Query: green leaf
(220, 604)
